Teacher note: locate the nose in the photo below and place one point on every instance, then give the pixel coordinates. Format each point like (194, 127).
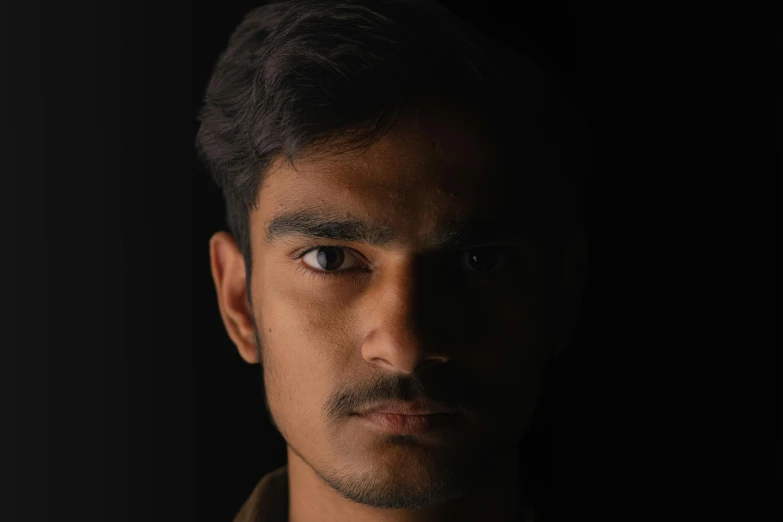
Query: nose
(395, 339)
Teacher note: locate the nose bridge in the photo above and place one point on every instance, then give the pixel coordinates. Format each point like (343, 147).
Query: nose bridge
(399, 297)
(396, 337)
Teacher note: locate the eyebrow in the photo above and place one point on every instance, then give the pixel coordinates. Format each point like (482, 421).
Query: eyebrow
(325, 224)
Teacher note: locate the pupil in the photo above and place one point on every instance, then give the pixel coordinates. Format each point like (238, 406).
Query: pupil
(329, 255)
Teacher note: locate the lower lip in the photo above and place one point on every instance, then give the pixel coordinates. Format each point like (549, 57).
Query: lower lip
(408, 424)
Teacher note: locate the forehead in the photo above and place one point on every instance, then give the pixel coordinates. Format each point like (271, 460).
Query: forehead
(435, 165)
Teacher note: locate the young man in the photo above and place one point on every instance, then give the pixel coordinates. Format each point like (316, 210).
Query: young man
(406, 254)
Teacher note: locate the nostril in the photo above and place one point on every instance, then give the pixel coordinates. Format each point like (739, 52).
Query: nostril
(430, 362)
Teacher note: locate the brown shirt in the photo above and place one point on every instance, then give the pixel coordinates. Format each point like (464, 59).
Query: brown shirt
(269, 500)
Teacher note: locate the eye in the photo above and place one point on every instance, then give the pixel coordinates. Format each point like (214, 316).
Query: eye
(484, 260)
(329, 259)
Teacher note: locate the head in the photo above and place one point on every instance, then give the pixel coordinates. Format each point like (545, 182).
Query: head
(404, 204)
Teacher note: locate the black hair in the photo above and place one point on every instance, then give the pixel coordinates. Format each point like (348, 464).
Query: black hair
(335, 75)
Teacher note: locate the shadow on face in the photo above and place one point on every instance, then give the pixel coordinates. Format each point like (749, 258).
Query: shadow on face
(403, 272)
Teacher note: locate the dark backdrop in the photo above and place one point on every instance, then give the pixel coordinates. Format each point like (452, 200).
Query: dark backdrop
(131, 403)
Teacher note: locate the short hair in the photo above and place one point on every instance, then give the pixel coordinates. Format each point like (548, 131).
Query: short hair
(336, 75)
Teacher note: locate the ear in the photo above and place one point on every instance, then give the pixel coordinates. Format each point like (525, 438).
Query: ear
(574, 275)
(228, 273)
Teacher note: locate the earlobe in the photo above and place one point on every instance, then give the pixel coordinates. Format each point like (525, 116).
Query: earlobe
(228, 275)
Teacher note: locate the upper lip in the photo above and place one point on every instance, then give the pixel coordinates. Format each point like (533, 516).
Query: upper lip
(409, 408)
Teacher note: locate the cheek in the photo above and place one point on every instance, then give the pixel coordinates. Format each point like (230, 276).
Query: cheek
(305, 344)
(309, 311)
(295, 384)
(505, 327)
(508, 350)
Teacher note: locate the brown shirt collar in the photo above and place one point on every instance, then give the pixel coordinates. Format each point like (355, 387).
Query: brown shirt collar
(269, 500)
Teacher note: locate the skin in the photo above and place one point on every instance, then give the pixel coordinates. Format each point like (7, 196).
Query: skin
(397, 324)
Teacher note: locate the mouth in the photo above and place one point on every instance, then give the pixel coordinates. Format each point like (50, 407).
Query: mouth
(415, 408)
(403, 424)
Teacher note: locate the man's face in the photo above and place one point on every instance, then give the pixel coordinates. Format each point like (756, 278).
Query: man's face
(396, 313)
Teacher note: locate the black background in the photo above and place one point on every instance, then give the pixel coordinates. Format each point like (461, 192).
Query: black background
(129, 401)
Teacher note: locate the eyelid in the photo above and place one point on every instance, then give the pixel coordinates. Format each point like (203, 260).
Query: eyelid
(304, 251)
(509, 246)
